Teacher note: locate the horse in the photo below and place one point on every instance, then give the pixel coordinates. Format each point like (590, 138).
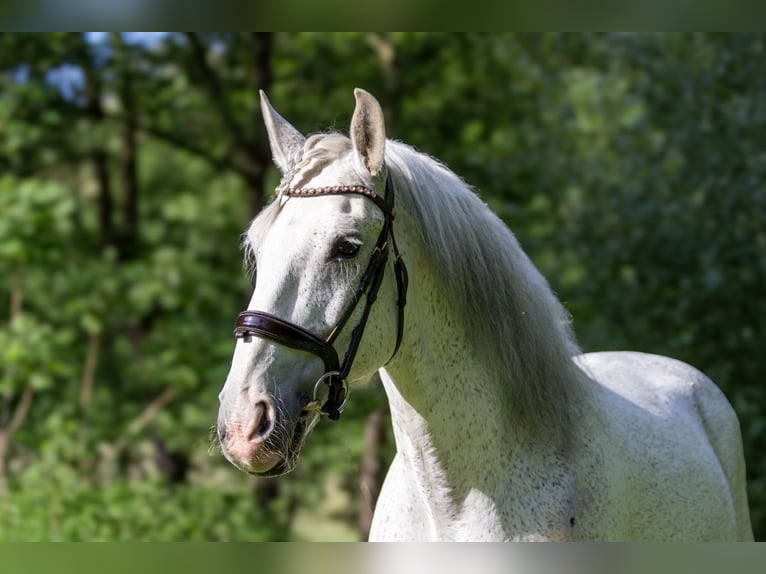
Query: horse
(504, 430)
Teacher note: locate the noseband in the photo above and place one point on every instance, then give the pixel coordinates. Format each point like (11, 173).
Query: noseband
(267, 326)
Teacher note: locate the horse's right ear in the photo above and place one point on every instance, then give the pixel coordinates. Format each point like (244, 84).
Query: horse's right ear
(368, 131)
(285, 141)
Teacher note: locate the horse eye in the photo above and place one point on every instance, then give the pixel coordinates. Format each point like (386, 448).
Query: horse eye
(346, 248)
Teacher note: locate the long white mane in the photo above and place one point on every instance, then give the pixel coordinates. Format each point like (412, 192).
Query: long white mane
(517, 323)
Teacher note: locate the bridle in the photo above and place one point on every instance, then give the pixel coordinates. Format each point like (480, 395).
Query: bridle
(266, 325)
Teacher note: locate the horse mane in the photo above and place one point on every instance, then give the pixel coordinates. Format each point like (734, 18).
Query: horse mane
(517, 323)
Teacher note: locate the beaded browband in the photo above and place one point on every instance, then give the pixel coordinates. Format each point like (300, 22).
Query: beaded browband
(385, 203)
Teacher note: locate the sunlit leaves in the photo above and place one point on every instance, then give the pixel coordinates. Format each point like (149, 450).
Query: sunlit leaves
(35, 222)
(32, 353)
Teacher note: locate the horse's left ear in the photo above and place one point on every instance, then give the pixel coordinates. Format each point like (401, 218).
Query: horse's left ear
(285, 141)
(368, 131)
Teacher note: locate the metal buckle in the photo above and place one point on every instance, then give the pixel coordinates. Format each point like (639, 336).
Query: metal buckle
(316, 404)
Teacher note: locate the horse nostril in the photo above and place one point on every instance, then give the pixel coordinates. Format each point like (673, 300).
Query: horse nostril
(263, 421)
(221, 430)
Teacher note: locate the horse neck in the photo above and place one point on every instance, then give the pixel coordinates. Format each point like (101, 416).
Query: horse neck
(450, 413)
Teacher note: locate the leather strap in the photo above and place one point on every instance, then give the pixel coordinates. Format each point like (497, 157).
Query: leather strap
(266, 325)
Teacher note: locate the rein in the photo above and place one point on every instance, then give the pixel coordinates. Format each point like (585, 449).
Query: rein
(267, 326)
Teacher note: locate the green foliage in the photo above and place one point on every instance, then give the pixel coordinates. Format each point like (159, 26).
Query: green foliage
(57, 503)
(32, 353)
(36, 222)
(632, 168)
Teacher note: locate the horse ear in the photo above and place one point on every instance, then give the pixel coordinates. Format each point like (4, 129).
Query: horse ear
(284, 139)
(368, 131)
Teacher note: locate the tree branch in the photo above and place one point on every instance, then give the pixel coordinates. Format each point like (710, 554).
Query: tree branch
(141, 421)
(6, 434)
(89, 373)
(185, 144)
(216, 91)
(17, 292)
(19, 413)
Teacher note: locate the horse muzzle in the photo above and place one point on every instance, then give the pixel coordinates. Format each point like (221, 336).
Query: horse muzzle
(247, 438)
(261, 439)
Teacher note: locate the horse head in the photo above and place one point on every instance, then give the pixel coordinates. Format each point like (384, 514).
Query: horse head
(320, 254)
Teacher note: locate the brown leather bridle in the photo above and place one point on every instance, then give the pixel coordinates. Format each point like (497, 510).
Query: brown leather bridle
(266, 325)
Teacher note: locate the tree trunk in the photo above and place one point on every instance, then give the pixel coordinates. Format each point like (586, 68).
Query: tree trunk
(174, 465)
(371, 471)
(98, 156)
(129, 158)
(261, 47)
(100, 160)
(130, 188)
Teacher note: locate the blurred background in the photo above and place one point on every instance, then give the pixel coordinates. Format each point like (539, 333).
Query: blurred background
(631, 167)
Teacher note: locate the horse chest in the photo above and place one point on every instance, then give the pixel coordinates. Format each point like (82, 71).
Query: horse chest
(418, 502)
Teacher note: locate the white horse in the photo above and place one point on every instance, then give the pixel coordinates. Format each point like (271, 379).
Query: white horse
(503, 430)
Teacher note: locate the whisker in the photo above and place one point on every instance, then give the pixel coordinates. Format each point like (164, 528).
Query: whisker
(214, 443)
